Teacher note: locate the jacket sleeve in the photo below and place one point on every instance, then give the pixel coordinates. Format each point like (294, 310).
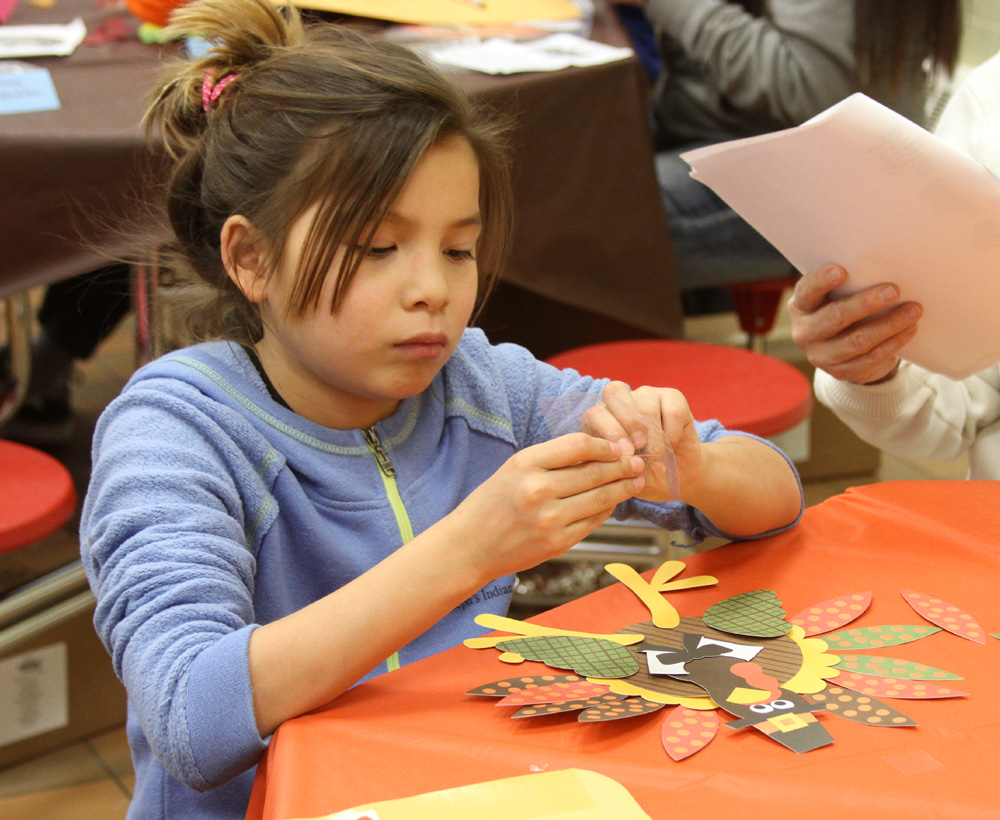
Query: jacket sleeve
(164, 538)
(696, 526)
(917, 414)
(791, 65)
(971, 120)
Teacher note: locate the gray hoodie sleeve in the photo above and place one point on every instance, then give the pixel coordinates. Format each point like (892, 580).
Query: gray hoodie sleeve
(787, 67)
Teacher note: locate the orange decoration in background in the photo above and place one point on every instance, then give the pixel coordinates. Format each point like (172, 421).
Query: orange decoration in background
(947, 616)
(156, 12)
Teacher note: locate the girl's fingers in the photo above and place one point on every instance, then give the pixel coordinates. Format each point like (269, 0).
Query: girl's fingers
(579, 530)
(621, 404)
(654, 417)
(573, 448)
(577, 463)
(598, 502)
(600, 422)
(675, 413)
(591, 477)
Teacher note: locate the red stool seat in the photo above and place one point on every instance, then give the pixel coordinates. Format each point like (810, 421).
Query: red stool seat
(37, 495)
(744, 390)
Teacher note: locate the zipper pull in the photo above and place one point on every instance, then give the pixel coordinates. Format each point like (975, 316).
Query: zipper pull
(383, 460)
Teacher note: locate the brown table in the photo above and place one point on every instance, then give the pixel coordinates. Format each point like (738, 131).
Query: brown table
(64, 174)
(592, 257)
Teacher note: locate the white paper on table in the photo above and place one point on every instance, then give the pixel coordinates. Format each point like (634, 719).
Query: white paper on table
(552, 53)
(46, 40)
(862, 186)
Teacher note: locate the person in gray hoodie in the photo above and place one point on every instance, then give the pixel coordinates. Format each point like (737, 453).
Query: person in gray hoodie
(739, 69)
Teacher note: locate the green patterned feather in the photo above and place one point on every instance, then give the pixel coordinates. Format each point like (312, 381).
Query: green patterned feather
(756, 614)
(590, 657)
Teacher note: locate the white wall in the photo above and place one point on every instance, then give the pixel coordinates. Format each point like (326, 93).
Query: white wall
(981, 34)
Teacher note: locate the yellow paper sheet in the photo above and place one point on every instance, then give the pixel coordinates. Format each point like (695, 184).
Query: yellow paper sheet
(449, 12)
(568, 794)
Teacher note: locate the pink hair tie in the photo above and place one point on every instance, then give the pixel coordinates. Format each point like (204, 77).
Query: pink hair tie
(210, 91)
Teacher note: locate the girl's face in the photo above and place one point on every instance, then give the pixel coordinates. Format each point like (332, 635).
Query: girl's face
(405, 310)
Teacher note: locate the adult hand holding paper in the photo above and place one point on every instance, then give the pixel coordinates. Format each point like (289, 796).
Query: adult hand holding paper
(862, 186)
(855, 337)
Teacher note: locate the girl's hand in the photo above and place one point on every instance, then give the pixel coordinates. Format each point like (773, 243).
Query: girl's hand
(656, 423)
(742, 485)
(853, 338)
(543, 500)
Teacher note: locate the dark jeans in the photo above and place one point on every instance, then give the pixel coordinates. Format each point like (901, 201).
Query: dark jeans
(78, 313)
(713, 245)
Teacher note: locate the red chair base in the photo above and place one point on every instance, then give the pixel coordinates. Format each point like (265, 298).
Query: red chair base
(757, 303)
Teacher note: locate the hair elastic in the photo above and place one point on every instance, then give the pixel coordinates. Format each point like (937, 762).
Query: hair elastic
(210, 90)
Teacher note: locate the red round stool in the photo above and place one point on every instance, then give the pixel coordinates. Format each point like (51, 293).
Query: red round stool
(37, 495)
(744, 390)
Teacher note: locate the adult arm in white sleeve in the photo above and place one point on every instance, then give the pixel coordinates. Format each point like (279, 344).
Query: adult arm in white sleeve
(916, 414)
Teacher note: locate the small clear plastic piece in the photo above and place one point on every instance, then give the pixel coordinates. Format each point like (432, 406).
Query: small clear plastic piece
(568, 413)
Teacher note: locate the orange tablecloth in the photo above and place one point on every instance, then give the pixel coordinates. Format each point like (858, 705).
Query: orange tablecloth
(414, 730)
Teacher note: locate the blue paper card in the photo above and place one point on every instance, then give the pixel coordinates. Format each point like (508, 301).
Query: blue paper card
(25, 87)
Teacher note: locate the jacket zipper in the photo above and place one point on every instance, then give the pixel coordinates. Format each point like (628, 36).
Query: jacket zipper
(388, 473)
(380, 457)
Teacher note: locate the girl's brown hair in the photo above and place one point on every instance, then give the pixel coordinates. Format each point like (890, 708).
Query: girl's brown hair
(316, 115)
(889, 34)
(893, 38)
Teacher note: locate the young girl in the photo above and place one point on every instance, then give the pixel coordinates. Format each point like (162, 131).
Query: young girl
(348, 476)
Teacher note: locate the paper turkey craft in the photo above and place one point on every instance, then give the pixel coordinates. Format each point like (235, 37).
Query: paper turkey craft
(743, 656)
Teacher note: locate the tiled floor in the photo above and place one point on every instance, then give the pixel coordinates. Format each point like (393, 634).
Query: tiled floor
(92, 780)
